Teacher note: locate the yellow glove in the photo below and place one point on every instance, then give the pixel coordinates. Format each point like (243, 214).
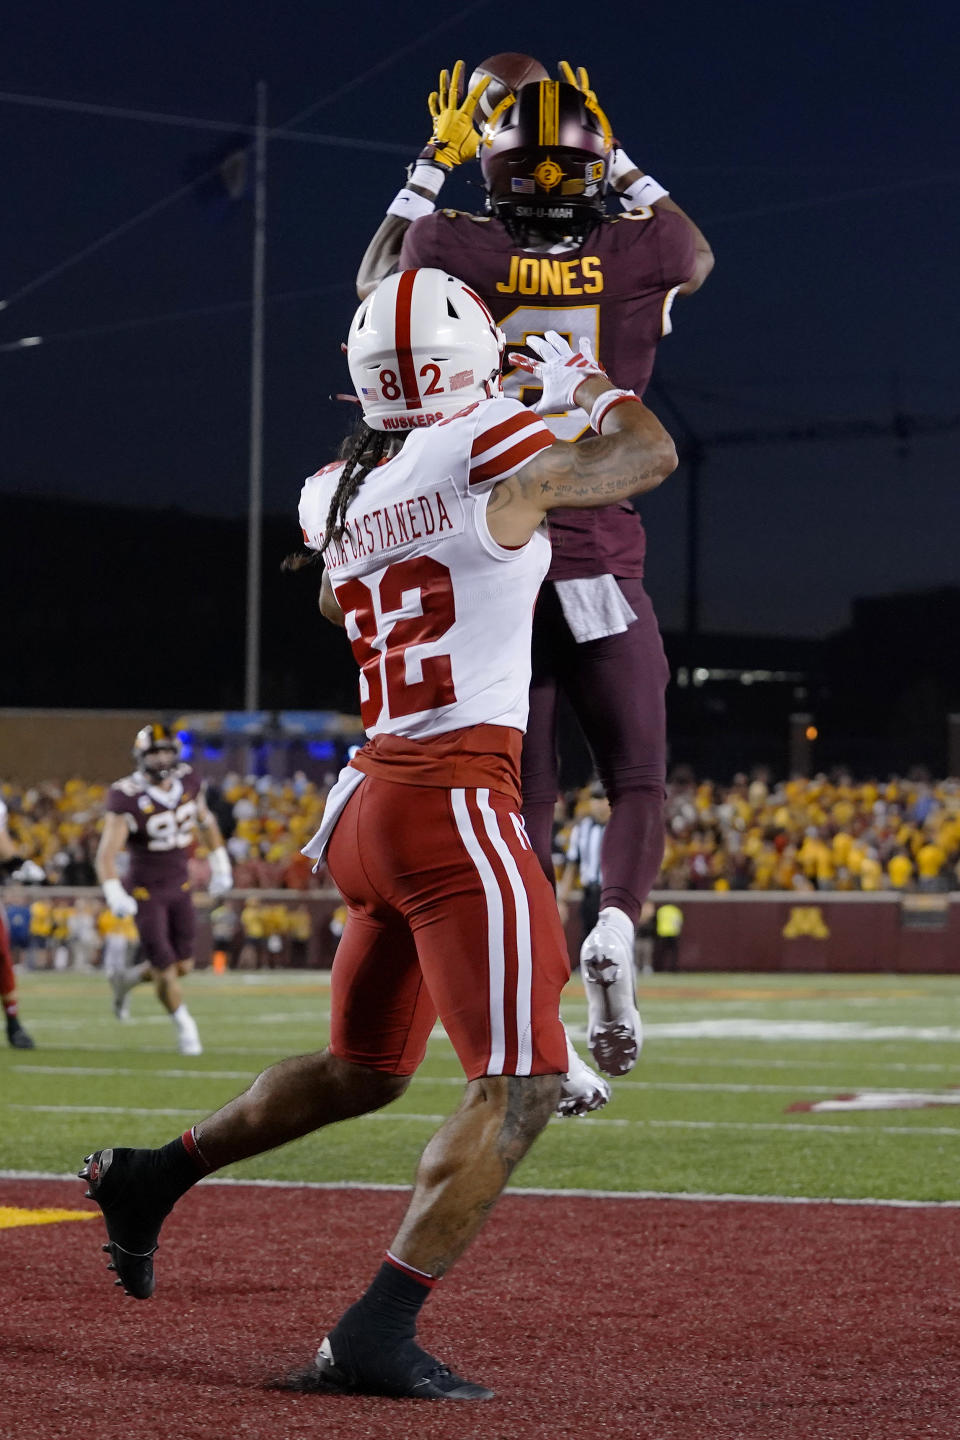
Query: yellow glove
(581, 81)
(454, 137)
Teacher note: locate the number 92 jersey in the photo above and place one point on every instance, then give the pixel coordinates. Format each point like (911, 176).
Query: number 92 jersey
(439, 614)
(616, 289)
(162, 825)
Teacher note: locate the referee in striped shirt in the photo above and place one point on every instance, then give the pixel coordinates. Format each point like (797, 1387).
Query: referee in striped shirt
(582, 866)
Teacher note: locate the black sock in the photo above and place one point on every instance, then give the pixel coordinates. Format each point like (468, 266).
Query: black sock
(387, 1312)
(177, 1168)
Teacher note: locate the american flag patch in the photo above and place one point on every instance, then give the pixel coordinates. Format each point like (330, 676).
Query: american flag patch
(520, 185)
(364, 391)
(462, 377)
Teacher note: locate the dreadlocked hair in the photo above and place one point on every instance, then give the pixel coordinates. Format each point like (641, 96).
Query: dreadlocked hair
(363, 449)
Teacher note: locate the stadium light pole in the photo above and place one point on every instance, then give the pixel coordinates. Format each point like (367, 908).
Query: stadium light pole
(255, 504)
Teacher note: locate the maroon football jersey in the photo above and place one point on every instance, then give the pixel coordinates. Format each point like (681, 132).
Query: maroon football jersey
(616, 288)
(162, 825)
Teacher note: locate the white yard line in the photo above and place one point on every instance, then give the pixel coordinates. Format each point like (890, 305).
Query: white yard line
(749, 1028)
(696, 1197)
(697, 1086)
(827, 1127)
(107, 1070)
(224, 1023)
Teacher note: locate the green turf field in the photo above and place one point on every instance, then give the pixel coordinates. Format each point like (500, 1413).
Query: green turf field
(707, 1109)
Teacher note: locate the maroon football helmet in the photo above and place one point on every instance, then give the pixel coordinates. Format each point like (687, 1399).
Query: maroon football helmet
(157, 751)
(545, 161)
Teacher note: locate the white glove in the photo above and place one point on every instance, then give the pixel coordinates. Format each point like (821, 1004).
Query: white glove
(560, 370)
(121, 903)
(221, 872)
(582, 1089)
(29, 873)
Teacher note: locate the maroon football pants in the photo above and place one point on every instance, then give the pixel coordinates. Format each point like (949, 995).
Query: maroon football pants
(166, 924)
(616, 687)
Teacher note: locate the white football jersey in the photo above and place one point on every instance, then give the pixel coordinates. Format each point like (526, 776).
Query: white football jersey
(439, 615)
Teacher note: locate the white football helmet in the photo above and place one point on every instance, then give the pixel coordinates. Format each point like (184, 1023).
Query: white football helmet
(422, 346)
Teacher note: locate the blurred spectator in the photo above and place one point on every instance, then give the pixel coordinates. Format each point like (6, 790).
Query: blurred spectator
(60, 933)
(41, 932)
(582, 868)
(646, 935)
(931, 862)
(300, 926)
(18, 923)
(827, 833)
(669, 923)
(900, 870)
(275, 932)
(254, 933)
(225, 929)
(81, 926)
(78, 869)
(120, 940)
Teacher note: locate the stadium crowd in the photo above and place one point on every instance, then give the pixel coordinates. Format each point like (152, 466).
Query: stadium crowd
(824, 833)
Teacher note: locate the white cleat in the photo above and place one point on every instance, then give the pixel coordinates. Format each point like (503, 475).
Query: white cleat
(188, 1041)
(582, 1089)
(614, 1028)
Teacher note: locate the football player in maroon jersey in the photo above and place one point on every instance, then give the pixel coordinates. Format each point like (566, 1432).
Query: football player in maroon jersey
(155, 814)
(16, 1035)
(548, 256)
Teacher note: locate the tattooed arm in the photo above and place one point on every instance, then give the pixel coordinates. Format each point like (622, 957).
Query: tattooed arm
(633, 455)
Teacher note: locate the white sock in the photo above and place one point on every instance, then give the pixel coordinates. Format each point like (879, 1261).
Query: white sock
(182, 1018)
(620, 922)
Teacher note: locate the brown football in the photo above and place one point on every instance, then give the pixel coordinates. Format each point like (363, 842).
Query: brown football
(507, 73)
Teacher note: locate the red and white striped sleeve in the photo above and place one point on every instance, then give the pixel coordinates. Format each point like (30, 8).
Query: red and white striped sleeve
(507, 438)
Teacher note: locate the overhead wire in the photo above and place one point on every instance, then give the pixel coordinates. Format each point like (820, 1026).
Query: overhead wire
(155, 209)
(140, 322)
(196, 122)
(865, 192)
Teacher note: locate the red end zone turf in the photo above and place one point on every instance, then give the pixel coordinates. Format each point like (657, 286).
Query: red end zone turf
(592, 1319)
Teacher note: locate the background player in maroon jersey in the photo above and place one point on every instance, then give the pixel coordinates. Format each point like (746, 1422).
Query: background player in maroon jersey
(155, 814)
(16, 1035)
(547, 256)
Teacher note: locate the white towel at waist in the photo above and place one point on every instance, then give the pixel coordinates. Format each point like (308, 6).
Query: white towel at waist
(594, 607)
(347, 781)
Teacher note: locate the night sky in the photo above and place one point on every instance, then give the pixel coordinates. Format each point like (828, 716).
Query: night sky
(815, 144)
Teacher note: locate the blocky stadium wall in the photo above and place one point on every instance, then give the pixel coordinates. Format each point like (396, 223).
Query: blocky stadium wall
(751, 931)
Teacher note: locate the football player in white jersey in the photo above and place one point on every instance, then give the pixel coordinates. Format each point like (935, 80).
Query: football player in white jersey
(434, 558)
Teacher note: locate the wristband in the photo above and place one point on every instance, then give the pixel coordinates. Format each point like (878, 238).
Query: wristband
(620, 165)
(645, 191)
(606, 402)
(410, 206)
(427, 175)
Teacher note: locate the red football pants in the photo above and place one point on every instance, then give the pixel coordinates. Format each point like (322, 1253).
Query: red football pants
(449, 914)
(8, 981)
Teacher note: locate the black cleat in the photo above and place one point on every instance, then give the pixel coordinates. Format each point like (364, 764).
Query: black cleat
(17, 1036)
(409, 1373)
(132, 1214)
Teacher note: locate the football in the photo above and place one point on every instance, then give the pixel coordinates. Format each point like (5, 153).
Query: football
(507, 73)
